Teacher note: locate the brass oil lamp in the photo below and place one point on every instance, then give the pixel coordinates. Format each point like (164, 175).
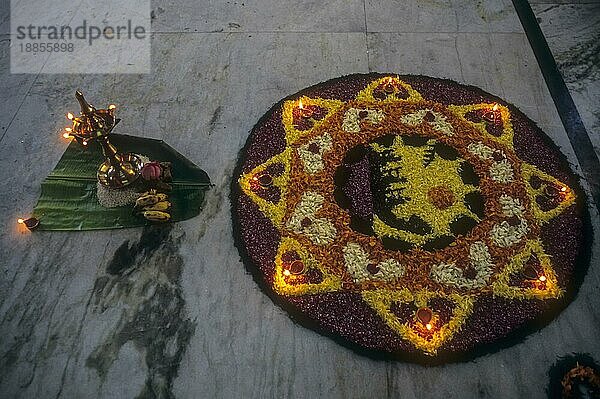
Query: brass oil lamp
(119, 169)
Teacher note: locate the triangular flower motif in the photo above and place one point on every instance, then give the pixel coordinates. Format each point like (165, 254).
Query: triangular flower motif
(492, 120)
(549, 197)
(303, 116)
(273, 174)
(405, 313)
(388, 89)
(297, 272)
(528, 276)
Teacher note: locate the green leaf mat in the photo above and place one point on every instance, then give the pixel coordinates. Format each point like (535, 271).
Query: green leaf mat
(68, 200)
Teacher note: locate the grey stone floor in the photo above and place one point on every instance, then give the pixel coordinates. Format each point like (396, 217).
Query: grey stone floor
(573, 34)
(185, 319)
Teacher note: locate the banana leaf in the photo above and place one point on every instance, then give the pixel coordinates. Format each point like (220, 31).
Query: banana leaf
(68, 199)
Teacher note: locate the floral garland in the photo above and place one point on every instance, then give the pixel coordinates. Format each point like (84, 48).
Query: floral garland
(456, 217)
(574, 376)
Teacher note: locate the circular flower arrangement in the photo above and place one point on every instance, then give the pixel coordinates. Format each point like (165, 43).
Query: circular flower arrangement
(409, 215)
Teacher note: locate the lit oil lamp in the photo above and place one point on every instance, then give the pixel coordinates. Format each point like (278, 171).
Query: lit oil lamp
(30, 223)
(119, 169)
(305, 112)
(425, 317)
(263, 180)
(68, 130)
(534, 275)
(388, 87)
(540, 282)
(552, 191)
(296, 267)
(492, 115)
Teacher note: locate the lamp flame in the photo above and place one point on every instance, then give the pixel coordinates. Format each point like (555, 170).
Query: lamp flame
(428, 326)
(70, 116)
(300, 105)
(20, 220)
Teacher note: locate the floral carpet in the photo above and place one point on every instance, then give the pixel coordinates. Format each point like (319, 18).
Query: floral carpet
(409, 216)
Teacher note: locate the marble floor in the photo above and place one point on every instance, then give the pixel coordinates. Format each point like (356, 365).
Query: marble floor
(186, 320)
(572, 30)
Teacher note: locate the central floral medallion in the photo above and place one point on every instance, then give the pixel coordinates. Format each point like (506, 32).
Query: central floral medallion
(419, 192)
